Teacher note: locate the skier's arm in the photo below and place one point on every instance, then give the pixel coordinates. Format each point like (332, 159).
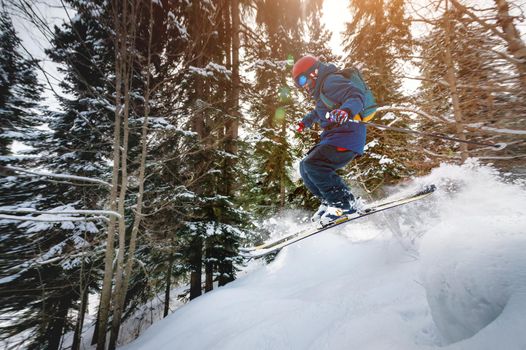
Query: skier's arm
(309, 119)
(351, 96)
(315, 116)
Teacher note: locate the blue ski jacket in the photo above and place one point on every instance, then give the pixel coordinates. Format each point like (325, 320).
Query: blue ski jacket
(341, 90)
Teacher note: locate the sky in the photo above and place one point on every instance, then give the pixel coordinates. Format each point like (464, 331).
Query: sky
(335, 14)
(54, 13)
(36, 42)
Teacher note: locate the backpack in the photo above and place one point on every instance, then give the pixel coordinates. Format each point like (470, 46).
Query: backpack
(354, 75)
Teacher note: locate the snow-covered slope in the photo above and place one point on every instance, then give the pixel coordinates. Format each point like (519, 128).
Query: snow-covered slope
(448, 272)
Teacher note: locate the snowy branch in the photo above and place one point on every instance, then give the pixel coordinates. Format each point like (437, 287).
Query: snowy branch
(62, 257)
(58, 176)
(466, 86)
(503, 157)
(507, 57)
(472, 127)
(65, 212)
(490, 27)
(412, 110)
(496, 130)
(45, 218)
(440, 155)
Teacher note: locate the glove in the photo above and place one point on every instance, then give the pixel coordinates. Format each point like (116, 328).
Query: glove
(300, 126)
(339, 116)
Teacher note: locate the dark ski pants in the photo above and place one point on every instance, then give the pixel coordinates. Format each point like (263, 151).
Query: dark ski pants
(318, 170)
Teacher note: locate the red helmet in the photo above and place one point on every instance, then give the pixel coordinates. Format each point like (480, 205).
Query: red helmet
(303, 68)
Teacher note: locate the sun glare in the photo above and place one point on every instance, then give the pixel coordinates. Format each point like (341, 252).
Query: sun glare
(335, 15)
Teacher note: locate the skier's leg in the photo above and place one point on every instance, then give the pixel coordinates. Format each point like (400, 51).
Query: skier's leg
(314, 189)
(306, 178)
(321, 165)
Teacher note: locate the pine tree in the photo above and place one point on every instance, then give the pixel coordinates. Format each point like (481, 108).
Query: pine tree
(83, 130)
(19, 90)
(274, 108)
(163, 187)
(222, 249)
(377, 41)
(215, 226)
(46, 288)
(48, 283)
(80, 145)
(483, 81)
(195, 157)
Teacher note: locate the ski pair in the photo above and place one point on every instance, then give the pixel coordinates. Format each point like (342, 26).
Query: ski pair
(277, 244)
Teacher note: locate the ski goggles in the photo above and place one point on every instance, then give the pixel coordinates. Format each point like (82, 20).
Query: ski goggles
(307, 77)
(302, 80)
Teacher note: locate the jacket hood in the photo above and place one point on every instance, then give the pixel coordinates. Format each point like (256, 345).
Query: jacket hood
(323, 71)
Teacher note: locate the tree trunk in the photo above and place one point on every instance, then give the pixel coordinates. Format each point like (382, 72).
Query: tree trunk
(209, 276)
(80, 319)
(516, 46)
(95, 336)
(58, 322)
(99, 336)
(198, 120)
(233, 127)
(126, 33)
(198, 123)
(121, 294)
(283, 170)
(168, 282)
(452, 80)
(196, 263)
(225, 276)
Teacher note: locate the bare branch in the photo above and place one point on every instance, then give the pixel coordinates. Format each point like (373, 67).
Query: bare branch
(64, 212)
(464, 86)
(484, 24)
(50, 219)
(497, 130)
(413, 110)
(57, 176)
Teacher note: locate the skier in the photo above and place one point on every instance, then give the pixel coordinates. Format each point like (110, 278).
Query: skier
(342, 97)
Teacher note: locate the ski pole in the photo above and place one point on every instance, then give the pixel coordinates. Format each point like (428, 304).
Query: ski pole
(497, 146)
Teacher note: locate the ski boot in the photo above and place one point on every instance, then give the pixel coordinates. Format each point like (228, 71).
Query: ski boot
(321, 210)
(334, 212)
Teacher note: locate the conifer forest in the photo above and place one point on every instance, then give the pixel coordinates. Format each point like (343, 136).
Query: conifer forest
(144, 142)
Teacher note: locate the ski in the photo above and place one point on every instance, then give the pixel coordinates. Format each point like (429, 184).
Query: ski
(275, 241)
(277, 244)
(279, 240)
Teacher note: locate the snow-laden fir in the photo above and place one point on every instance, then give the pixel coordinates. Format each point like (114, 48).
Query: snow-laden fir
(447, 272)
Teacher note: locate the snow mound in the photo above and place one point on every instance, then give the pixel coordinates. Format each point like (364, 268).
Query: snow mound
(474, 260)
(448, 272)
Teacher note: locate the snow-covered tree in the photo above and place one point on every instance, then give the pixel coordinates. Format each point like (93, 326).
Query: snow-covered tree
(272, 48)
(192, 186)
(378, 41)
(19, 90)
(207, 86)
(485, 84)
(83, 129)
(42, 261)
